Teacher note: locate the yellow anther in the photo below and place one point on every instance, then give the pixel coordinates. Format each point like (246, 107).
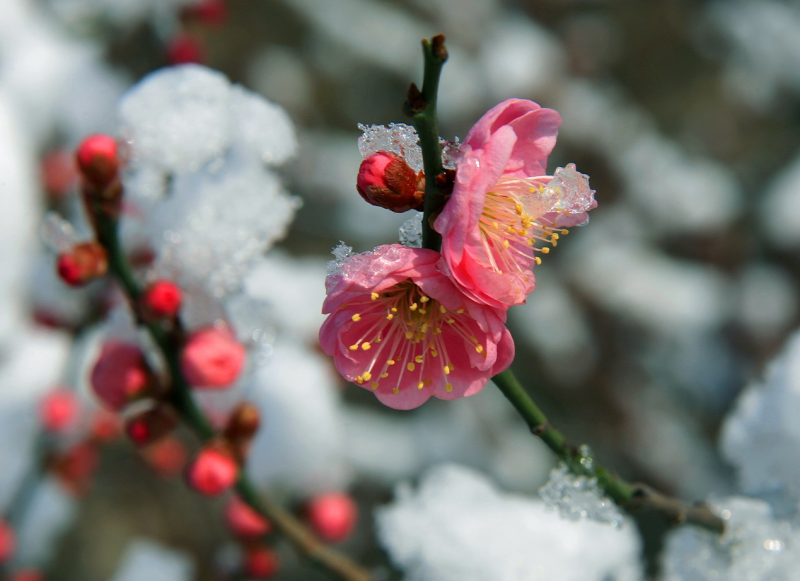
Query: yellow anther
(460, 311)
(389, 317)
(374, 385)
(375, 296)
(545, 250)
(499, 271)
(395, 390)
(394, 309)
(384, 375)
(495, 225)
(521, 232)
(538, 260)
(448, 387)
(450, 321)
(434, 353)
(447, 370)
(474, 339)
(366, 346)
(409, 334)
(424, 328)
(378, 339)
(367, 376)
(442, 309)
(518, 208)
(554, 237)
(506, 243)
(353, 347)
(529, 241)
(437, 330)
(390, 362)
(565, 232)
(424, 299)
(554, 243)
(356, 317)
(410, 366)
(420, 385)
(359, 379)
(413, 306)
(419, 358)
(423, 311)
(479, 348)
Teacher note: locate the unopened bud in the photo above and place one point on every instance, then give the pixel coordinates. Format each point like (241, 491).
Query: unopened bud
(211, 13)
(8, 542)
(120, 375)
(76, 466)
(162, 299)
(84, 263)
(151, 425)
(243, 423)
(245, 522)
(59, 410)
(184, 49)
(386, 180)
(167, 456)
(261, 563)
(212, 472)
(97, 159)
(333, 516)
(59, 173)
(212, 358)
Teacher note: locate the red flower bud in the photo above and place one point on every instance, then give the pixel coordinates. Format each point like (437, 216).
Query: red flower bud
(163, 299)
(97, 159)
(76, 466)
(245, 522)
(184, 48)
(386, 180)
(167, 456)
(84, 263)
(212, 13)
(333, 516)
(212, 358)
(243, 423)
(261, 563)
(27, 575)
(151, 425)
(8, 542)
(105, 426)
(212, 472)
(58, 410)
(120, 375)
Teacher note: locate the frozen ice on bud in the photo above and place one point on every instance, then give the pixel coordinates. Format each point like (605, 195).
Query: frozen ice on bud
(451, 153)
(333, 516)
(569, 192)
(84, 263)
(261, 563)
(341, 252)
(243, 521)
(163, 299)
(120, 375)
(397, 138)
(97, 159)
(387, 181)
(59, 410)
(579, 497)
(185, 49)
(211, 359)
(212, 472)
(150, 425)
(410, 233)
(8, 542)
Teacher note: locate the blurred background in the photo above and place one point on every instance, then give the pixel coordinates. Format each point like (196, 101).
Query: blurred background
(645, 324)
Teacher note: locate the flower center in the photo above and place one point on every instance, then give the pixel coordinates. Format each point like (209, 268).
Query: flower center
(408, 334)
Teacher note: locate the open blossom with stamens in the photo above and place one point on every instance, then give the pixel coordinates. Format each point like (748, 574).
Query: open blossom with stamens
(400, 327)
(504, 209)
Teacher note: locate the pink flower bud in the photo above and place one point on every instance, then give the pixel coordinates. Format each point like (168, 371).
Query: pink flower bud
(386, 180)
(8, 542)
(212, 472)
(84, 263)
(27, 575)
(184, 49)
(58, 410)
(261, 563)
(167, 457)
(211, 358)
(151, 425)
(119, 375)
(97, 159)
(333, 516)
(163, 299)
(245, 522)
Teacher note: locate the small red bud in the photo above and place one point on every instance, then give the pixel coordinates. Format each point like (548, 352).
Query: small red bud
(163, 299)
(212, 13)
(167, 456)
(333, 516)
(211, 359)
(76, 466)
(184, 49)
(59, 410)
(386, 180)
(27, 575)
(59, 173)
(261, 563)
(8, 542)
(97, 159)
(120, 375)
(243, 423)
(84, 263)
(245, 522)
(151, 425)
(212, 472)
(105, 426)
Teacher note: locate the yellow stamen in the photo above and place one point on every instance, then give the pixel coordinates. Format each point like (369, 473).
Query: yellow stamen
(366, 346)
(410, 366)
(356, 317)
(375, 296)
(448, 387)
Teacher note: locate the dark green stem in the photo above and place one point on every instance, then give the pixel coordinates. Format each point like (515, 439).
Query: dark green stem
(181, 398)
(629, 496)
(421, 107)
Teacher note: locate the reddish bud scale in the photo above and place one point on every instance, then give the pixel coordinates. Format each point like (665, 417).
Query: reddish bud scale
(151, 425)
(245, 522)
(243, 423)
(163, 299)
(58, 410)
(8, 542)
(261, 563)
(386, 180)
(184, 49)
(212, 359)
(212, 472)
(97, 158)
(333, 516)
(84, 263)
(120, 375)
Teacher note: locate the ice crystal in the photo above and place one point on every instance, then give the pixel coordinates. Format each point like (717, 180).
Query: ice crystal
(451, 152)
(397, 138)
(578, 497)
(340, 253)
(410, 232)
(57, 233)
(568, 192)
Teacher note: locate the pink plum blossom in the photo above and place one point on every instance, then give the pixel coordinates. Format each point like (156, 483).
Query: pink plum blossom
(503, 204)
(401, 328)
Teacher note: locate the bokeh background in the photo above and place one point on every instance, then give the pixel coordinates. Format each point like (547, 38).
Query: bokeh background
(645, 325)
